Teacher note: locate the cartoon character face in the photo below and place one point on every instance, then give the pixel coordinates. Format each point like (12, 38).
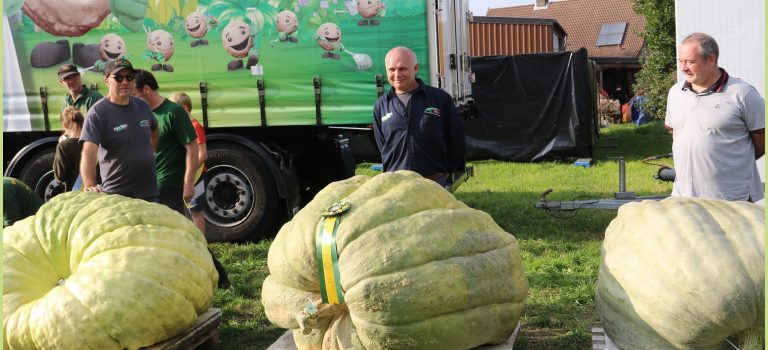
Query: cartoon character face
(196, 25)
(332, 35)
(287, 22)
(162, 42)
(368, 8)
(111, 47)
(236, 38)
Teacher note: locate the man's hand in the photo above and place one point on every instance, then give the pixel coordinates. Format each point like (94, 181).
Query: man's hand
(758, 139)
(190, 170)
(189, 191)
(96, 188)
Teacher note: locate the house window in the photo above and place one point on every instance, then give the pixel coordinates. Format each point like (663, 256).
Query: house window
(611, 34)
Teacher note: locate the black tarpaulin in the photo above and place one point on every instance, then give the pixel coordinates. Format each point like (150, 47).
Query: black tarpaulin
(533, 107)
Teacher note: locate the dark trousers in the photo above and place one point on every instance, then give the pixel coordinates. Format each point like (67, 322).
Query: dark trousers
(172, 197)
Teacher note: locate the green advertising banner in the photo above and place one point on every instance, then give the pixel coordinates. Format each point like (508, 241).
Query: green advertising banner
(229, 45)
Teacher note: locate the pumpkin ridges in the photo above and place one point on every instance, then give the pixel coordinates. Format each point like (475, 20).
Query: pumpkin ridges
(493, 323)
(394, 204)
(415, 294)
(120, 300)
(438, 238)
(384, 203)
(658, 254)
(298, 271)
(664, 264)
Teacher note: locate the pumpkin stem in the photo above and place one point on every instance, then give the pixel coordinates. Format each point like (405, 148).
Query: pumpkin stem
(751, 339)
(316, 310)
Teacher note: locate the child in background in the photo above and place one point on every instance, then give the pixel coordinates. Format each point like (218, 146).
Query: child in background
(66, 161)
(198, 200)
(196, 205)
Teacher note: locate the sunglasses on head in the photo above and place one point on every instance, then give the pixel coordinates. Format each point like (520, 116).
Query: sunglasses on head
(120, 78)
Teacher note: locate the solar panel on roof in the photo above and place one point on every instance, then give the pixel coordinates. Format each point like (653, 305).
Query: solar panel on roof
(611, 33)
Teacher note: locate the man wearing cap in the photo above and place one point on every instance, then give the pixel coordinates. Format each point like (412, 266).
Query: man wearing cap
(120, 132)
(78, 95)
(176, 158)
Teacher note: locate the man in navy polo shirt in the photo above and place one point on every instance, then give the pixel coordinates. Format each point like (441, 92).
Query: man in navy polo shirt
(718, 127)
(416, 126)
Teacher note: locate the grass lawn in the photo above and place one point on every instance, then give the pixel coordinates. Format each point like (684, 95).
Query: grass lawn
(561, 253)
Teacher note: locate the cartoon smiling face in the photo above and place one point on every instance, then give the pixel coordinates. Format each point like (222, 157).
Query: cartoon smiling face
(111, 47)
(162, 42)
(368, 8)
(287, 22)
(196, 25)
(330, 36)
(236, 38)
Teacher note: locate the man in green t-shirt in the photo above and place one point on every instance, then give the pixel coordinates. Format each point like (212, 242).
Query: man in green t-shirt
(19, 201)
(176, 153)
(78, 95)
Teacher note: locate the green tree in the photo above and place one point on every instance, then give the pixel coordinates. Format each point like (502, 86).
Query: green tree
(658, 73)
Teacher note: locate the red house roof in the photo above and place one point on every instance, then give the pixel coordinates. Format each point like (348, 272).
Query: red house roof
(583, 19)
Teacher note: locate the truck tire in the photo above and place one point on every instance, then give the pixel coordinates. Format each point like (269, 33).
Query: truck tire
(37, 172)
(241, 200)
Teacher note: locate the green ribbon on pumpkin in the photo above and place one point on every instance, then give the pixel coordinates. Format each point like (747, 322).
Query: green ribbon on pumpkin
(327, 255)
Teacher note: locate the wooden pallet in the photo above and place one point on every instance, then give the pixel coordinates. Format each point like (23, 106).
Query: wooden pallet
(600, 340)
(285, 342)
(204, 334)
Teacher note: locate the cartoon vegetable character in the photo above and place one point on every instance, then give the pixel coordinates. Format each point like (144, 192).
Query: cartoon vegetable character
(369, 9)
(196, 25)
(160, 48)
(287, 25)
(238, 42)
(328, 36)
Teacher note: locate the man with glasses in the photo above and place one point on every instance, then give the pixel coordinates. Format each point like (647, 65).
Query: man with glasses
(120, 132)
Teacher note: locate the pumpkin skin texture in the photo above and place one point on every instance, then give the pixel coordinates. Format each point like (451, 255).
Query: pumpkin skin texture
(97, 271)
(682, 273)
(420, 270)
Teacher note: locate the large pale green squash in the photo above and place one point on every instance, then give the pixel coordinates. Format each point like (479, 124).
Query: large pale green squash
(96, 271)
(420, 270)
(682, 273)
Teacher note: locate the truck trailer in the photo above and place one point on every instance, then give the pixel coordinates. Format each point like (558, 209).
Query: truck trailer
(281, 86)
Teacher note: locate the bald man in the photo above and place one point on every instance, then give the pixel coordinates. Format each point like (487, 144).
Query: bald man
(416, 126)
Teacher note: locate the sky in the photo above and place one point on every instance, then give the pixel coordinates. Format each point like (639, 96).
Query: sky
(480, 7)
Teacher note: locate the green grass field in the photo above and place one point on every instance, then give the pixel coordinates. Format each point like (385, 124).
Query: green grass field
(561, 256)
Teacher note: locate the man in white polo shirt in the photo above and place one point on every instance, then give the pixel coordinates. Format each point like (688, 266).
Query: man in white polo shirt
(718, 127)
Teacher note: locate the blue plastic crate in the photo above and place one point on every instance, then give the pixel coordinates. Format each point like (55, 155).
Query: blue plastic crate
(583, 162)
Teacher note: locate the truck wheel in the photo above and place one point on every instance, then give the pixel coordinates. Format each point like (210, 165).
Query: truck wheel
(240, 195)
(37, 172)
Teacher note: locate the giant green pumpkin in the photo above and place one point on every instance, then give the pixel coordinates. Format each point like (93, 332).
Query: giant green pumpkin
(419, 269)
(682, 273)
(96, 271)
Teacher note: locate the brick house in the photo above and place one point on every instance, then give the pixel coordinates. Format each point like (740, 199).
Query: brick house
(608, 29)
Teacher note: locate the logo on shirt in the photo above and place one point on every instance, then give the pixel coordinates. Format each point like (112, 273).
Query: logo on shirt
(387, 116)
(120, 128)
(432, 111)
(144, 123)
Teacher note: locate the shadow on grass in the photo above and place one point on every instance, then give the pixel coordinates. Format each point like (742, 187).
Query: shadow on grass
(244, 323)
(633, 143)
(516, 213)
